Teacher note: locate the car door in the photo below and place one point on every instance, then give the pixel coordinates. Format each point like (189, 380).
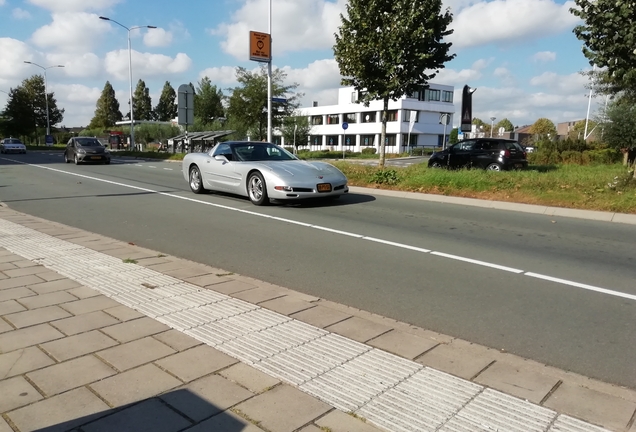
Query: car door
(459, 154)
(69, 149)
(483, 153)
(220, 173)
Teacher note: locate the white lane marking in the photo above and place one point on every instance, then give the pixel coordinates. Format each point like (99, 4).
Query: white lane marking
(150, 166)
(582, 286)
(400, 245)
(168, 169)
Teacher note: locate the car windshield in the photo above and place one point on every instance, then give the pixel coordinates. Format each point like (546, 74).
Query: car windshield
(12, 141)
(88, 142)
(248, 152)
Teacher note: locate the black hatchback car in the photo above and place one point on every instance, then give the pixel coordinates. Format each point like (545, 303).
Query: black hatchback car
(494, 154)
(86, 149)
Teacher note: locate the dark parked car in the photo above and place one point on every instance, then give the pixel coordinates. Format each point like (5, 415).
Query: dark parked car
(86, 149)
(12, 145)
(494, 154)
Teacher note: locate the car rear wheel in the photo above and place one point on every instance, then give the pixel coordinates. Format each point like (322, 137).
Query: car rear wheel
(196, 183)
(257, 189)
(66, 159)
(436, 165)
(76, 160)
(494, 167)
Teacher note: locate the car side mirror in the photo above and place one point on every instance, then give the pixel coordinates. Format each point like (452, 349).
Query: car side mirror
(220, 158)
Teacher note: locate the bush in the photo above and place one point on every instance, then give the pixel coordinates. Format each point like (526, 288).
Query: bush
(605, 156)
(571, 157)
(369, 150)
(389, 177)
(544, 157)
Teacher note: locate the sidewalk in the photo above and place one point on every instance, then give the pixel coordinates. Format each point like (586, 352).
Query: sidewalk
(101, 335)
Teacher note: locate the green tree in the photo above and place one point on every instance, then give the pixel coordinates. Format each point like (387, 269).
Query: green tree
(166, 108)
(619, 127)
(543, 127)
(506, 124)
(208, 103)
(296, 129)
(608, 34)
(453, 136)
(386, 49)
(247, 105)
(107, 110)
(142, 103)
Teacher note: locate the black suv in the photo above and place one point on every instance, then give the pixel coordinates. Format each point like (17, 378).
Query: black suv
(493, 154)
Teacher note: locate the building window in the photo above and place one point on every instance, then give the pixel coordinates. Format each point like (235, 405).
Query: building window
(332, 140)
(368, 117)
(367, 140)
(409, 140)
(315, 140)
(350, 118)
(316, 120)
(414, 95)
(333, 119)
(391, 115)
(349, 140)
(447, 96)
(407, 115)
(389, 140)
(354, 97)
(432, 95)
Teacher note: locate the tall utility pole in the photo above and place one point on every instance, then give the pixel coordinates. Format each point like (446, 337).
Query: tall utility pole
(492, 124)
(46, 94)
(132, 119)
(269, 82)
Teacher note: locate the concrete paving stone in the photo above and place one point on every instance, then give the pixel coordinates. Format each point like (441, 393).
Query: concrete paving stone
(165, 267)
(103, 246)
(10, 306)
(177, 340)
(135, 353)
(36, 316)
(15, 293)
(311, 428)
(25, 337)
(85, 322)
(149, 415)
(196, 362)
(231, 287)
(4, 326)
(517, 381)
(192, 272)
(337, 421)
(584, 403)
(10, 258)
(83, 292)
(154, 261)
(123, 313)
(358, 329)
(56, 285)
(206, 397)
(460, 358)
(259, 294)
(135, 385)
(26, 271)
(321, 316)
(128, 253)
(20, 281)
(4, 426)
(6, 266)
(283, 409)
(91, 304)
(78, 345)
(402, 344)
(135, 329)
(3, 276)
(286, 305)
(204, 280)
(24, 263)
(250, 378)
(60, 413)
(17, 392)
(226, 422)
(50, 276)
(50, 299)
(71, 374)
(22, 361)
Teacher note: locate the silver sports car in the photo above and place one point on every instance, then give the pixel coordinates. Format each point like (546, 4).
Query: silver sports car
(261, 171)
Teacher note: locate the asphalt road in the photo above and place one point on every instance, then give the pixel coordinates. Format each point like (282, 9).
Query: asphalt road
(493, 301)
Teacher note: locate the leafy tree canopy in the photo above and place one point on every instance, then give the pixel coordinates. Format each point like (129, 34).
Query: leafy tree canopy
(296, 129)
(107, 110)
(386, 49)
(208, 102)
(543, 127)
(166, 108)
(506, 124)
(142, 103)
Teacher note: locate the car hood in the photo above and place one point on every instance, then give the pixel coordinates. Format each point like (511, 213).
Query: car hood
(14, 145)
(93, 149)
(300, 168)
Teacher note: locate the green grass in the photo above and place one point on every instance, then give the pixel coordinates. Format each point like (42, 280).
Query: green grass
(599, 187)
(54, 147)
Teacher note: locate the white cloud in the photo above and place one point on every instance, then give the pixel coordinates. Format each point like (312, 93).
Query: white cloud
(297, 25)
(12, 67)
(319, 75)
(502, 21)
(20, 14)
(3, 2)
(74, 5)
(561, 83)
(505, 75)
(157, 38)
(145, 65)
(86, 65)
(71, 32)
(78, 101)
(453, 77)
(544, 56)
(222, 75)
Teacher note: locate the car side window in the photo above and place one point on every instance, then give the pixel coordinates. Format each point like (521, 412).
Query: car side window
(223, 150)
(465, 146)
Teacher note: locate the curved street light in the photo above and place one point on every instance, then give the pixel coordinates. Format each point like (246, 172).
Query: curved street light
(492, 124)
(132, 120)
(46, 93)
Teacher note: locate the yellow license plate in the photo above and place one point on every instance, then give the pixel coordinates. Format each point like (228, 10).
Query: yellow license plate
(96, 157)
(324, 187)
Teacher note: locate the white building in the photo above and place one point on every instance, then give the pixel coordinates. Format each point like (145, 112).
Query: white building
(365, 126)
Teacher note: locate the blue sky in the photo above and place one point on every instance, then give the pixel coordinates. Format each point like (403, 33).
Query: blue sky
(520, 54)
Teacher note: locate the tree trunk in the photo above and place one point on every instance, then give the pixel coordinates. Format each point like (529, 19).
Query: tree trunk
(383, 134)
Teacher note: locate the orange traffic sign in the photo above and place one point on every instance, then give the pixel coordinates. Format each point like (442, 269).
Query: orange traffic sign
(260, 47)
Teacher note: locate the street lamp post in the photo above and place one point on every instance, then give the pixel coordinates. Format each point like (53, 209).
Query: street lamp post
(46, 93)
(132, 118)
(492, 124)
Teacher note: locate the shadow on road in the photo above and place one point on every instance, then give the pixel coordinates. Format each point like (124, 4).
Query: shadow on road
(89, 196)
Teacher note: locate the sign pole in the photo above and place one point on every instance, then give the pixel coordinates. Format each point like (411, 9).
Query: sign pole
(269, 80)
(345, 126)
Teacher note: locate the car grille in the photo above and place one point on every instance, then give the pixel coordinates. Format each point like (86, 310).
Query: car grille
(339, 187)
(297, 189)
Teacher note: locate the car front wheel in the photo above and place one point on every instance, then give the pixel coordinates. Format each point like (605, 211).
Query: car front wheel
(196, 183)
(257, 190)
(494, 167)
(76, 160)
(435, 165)
(66, 159)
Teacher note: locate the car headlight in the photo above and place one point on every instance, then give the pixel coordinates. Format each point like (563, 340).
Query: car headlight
(81, 151)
